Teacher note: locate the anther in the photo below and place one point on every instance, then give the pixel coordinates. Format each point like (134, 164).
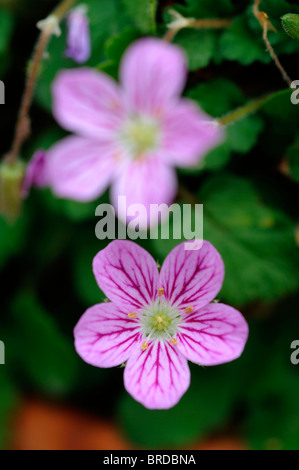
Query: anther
(161, 291)
(173, 341)
(188, 309)
(159, 319)
(144, 346)
(132, 315)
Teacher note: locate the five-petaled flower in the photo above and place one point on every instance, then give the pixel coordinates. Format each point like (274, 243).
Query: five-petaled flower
(130, 136)
(157, 320)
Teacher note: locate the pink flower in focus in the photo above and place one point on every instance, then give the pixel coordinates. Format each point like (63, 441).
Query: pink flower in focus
(36, 173)
(131, 136)
(78, 35)
(157, 321)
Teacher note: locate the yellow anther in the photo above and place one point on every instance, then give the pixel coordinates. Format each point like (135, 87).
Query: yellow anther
(132, 315)
(159, 319)
(188, 309)
(144, 346)
(173, 341)
(161, 291)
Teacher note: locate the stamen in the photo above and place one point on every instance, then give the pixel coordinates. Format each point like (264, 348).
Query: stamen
(173, 341)
(161, 291)
(188, 309)
(144, 346)
(132, 315)
(159, 319)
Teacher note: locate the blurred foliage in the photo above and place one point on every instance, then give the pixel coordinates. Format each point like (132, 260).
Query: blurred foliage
(250, 215)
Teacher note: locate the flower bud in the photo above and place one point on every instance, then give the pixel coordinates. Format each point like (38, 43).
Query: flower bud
(11, 180)
(290, 23)
(78, 36)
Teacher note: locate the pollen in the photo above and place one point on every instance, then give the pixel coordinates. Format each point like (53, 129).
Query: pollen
(188, 309)
(161, 291)
(173, 341)
(132, 315)
(144, 346)
(159, 319)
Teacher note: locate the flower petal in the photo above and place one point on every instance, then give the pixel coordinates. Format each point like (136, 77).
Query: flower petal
(188, 134)
(192, 278)
(87, 102)
(147, 181)
(127, 274)
(80, 168)
(213, 335)
(36, 172)
(78, 35)
(158, 376)
(105, 336)
(152, 73)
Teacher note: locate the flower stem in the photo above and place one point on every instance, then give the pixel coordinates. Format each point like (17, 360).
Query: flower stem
(22, 130)
(179, 22)
(266, 25)
(244, 111)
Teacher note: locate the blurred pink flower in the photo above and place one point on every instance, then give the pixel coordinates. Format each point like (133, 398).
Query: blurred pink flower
(130, 136)
(36, 173)
(78, 35)
(156, 321)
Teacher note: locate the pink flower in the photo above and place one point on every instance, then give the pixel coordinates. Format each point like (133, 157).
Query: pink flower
(78, 35)
(131, 136)
(156, 321)
(36, 173)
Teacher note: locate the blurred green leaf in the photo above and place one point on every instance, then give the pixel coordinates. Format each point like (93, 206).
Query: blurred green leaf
(46, 356)
(142, 14)
(256, 242)
(293, 159)
(217, 98)
(200, 46)
(6, 28)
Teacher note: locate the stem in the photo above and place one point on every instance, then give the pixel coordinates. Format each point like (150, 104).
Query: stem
(263, 19)
(242, 112)
(180, 22)
(22, 130)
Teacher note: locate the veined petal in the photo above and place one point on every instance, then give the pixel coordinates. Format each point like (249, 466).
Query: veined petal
(158, 376)
(188, 134)
(87, 102)
(105, 336)
(146, 181)
(192, 278)
(80, 168)
(152, 73)
(127, 274)
(213, 335)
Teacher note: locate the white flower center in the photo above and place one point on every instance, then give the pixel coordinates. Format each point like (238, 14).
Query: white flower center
(160, 321)
(140, 134)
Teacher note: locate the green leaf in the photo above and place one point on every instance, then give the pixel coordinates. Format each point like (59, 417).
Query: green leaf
(240, 43)
(204, 408)
(293, 159)
(43, 352)
(200, 46)
(12, 237)
(240, 225)
(217, 98)
(142, 14)
(6, 28)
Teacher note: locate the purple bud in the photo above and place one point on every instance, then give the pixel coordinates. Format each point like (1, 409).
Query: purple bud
(78, 35)
(36, 173)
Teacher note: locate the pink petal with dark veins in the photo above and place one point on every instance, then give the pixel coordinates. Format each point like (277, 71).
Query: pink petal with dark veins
(192, 278)
(213, 335)
(105, 336)
(158, 376)
(127, 274)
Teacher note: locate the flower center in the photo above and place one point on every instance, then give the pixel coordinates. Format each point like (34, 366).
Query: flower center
(160, 320)
(140, 135)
